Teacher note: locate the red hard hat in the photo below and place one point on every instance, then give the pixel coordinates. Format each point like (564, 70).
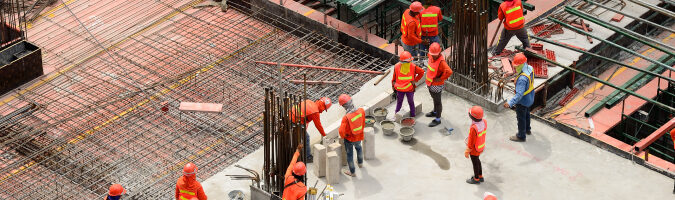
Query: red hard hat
(299, 169)
(416, 6)
(344, 98)
(476, 112)
(519, 59)
(489, 196)
(405, 56)
(434, 49)
(326, 102)
(116, 190)
(190, 169)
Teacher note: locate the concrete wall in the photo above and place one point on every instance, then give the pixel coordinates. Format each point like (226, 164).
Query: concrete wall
(19, 64)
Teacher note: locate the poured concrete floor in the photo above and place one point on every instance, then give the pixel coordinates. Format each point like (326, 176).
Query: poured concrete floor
(550, 165)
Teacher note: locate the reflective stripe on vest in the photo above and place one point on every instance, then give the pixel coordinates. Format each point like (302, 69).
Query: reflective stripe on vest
(184, 193)
(404, 87)
(356, 118)
(479, 135)
(513, 9)
(430, 15)
(531, 83)
(187, 192)
(404, 78)
(404, 26)
(516, 20)
(183, 198)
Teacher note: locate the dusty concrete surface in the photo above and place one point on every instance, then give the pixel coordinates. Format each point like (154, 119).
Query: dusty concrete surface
(550, 165)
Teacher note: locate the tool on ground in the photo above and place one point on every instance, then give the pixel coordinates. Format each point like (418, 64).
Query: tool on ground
(381, 78)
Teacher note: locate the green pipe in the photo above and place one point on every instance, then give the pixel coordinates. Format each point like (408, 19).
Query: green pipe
(615, 98)
(625, 32)
(641, 122)
(659, 104)
(610, 43)
(633, 17)
(603, 58)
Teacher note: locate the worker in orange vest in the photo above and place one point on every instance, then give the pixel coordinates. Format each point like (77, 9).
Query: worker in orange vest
(294, 188)
(406, 74)
(115, 192)
(411, 29)
(311, 110)
(476, 143)
(187, 185)
(429, 18)
(437, 72)
(511, 11)
(351, 130)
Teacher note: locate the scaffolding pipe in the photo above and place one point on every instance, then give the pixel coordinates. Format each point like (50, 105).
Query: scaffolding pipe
(320, 67)
(631, 16)
(654, 8)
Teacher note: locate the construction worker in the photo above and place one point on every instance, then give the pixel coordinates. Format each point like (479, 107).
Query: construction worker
(406, 74)
(524, 96)
(411, 29)
(429, 18)
(351, 130)
(294, 188)
(187, 185)
(437, 72)
(511, 12)
(476, 143)
(311, 110)
(115, 192)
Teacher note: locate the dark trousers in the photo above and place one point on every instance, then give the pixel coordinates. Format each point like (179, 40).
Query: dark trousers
(438, 106)
(507, 35)
(477, 168)
(411, 101)
(523, 115)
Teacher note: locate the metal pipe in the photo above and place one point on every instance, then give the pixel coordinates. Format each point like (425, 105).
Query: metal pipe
(633, 17)
(320, 67)
(654, 8)
(644, 143)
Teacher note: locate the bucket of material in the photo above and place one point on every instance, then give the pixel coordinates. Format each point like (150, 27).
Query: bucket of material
(408, 122)
(380, 114)
(387, 127)
(407, 133)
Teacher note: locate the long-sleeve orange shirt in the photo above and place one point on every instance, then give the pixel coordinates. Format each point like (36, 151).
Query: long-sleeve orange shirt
(190, 185)
(444, 71)
(412, 36)
(316, 118)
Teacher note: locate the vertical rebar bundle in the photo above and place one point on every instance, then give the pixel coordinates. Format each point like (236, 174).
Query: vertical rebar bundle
(12, 26)
(469, 45)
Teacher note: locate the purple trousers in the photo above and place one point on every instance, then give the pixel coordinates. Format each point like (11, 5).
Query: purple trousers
(411, 101)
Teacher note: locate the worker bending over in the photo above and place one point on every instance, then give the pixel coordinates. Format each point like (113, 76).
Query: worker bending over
(309, 111)
(187, 186)
(429, 18)
(406, 74)
(524, 97)
(294, 188)
(511, 12)
(411, 29)
(476, 143)
(115, 192)
(351, 130)
(437, 72)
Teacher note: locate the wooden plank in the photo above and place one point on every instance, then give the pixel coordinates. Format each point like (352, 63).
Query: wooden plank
(201, 107)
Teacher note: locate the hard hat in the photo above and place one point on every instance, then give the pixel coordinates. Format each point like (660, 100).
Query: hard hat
(489, 196)
(405, 56)
(299, 169)
(190, 169)
(116, 190)
(519, 59)
(344, 98)
(416, 6)
(434, 49)
(476, 112)
(326, 101)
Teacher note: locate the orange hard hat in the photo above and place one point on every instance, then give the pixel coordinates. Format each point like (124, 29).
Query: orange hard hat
(434, 49)
(190, 169)
(519, 59)
(489, 196)
(116, 190)
(326, 102)
(405, 56)
(344, 98)
(416, 6)
(299, 169)
(476, 112)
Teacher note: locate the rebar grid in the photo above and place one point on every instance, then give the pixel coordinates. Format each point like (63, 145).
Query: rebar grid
(101, 121)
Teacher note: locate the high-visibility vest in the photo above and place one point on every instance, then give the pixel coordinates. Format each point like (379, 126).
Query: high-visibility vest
(306, 108)
(185, 194)
(530, 82)
(513, 15)
(407, 19)
(403, 82)
(480, 138)
(294, 190)
(429, 21)
(357, 122)
(432, 69)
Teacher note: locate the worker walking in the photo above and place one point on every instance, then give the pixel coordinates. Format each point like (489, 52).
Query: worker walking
(476, 143)
(294, 187)
(115, 192)
(437, 72)
(406, 74)
(351, 130)
(511, 12)
(411, 29)
(524, 96)
(187, 185)
(429, 18)
(309, 112)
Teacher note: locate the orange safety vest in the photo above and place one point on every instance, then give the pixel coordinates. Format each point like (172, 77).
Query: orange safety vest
(404, 81)
(294, 190)
(429, 21)
(185, 194)
(513, 15)
(480, 139)
(407, 19)
(307, 108)
(357, 121)
(432, 69)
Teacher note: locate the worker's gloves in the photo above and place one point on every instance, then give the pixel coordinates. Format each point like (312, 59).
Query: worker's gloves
(466, 153)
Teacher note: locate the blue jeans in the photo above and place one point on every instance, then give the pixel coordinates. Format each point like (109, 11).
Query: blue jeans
(350, 154)
(308, 149)
(431, 39)
(411, 49)
(523, 115)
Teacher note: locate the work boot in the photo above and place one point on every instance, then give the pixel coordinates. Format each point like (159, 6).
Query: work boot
(472, 180)
(481, 179)
(516, 139)
(434, 122)
(529, 132)
(431, 114)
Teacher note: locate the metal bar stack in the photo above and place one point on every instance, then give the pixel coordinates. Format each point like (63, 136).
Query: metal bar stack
(12, 26)
(469, 45)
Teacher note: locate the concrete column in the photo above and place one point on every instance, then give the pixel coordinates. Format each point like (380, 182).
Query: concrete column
(319, 160)
(369, 143)
(337, 148)
(332, 168)
(342, 152)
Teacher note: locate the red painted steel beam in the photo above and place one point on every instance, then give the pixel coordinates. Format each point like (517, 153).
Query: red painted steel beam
(644, 143)
(321, 67)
